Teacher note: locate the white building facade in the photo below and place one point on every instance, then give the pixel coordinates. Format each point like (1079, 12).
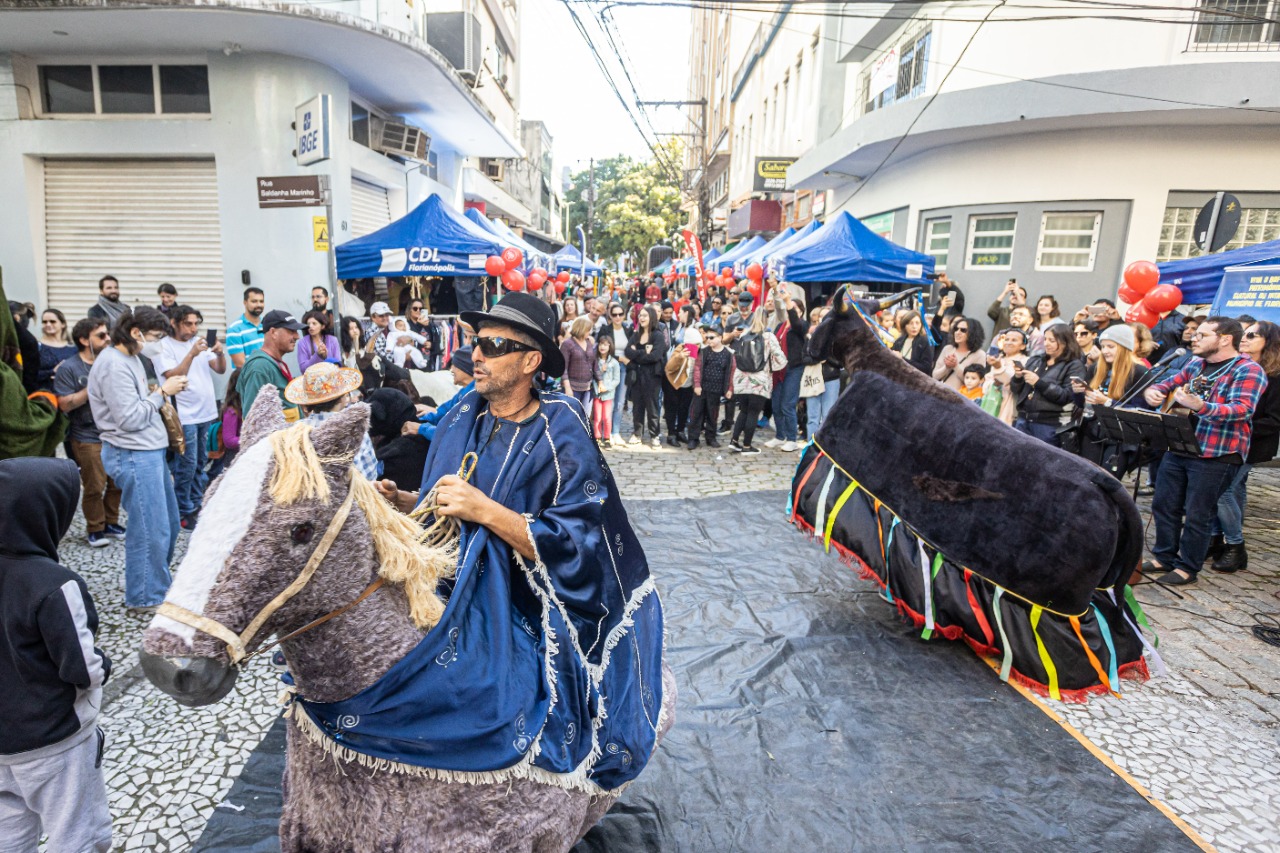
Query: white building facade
(1054, 152)
(135, 139)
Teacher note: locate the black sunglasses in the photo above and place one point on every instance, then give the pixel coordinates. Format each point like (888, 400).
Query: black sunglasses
(1253, 334)
(616, 314)
(415, 307)
(498, 346)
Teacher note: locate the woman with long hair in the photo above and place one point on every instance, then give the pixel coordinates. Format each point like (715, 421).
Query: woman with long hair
(1115, 375)
(358, 351)
(1043, 387)
(647, 354)
(568, 313)
(1011, 352)
(913, 346)
(318, 344)
(963, 349)
(757, 348)
(56, 346)
(1261, 343)
(134, 443)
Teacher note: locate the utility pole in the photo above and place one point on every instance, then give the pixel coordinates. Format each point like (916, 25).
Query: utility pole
(591, 205)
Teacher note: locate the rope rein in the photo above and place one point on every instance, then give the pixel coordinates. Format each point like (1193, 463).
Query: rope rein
(445, 530)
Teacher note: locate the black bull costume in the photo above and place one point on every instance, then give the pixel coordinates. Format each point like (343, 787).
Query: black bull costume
(973, 530)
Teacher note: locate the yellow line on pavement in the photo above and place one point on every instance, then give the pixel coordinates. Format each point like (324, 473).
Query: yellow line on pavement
(1106, 759)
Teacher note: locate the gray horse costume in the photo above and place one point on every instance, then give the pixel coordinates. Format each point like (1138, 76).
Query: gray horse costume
(366, 598)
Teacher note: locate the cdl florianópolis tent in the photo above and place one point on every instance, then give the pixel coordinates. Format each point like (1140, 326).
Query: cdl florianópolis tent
(432, 239)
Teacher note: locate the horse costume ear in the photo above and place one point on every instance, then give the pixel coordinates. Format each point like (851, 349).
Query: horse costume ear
(342, 434)
(266, 416)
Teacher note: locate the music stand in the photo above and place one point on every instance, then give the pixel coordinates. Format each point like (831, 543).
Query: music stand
(1151, 431)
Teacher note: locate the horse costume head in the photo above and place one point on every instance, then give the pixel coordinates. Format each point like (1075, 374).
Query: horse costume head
(290, 536)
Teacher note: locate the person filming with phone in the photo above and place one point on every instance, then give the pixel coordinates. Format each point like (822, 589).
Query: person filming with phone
(1220, 389)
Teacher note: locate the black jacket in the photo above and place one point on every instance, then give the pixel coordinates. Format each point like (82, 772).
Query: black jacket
(1266, 424)
(921, 357)
(51, 675)
(1046, 401)
(797, 337)
(652, 363)
(1168, 335)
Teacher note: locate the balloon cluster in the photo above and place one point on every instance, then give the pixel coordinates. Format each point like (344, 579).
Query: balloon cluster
(506, 267)
(1147, 298)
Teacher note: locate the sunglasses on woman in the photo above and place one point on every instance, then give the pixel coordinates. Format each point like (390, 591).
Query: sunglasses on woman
(1253, 334)
(498, 346)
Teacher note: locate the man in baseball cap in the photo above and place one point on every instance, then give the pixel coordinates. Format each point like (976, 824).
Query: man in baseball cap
(266, 366)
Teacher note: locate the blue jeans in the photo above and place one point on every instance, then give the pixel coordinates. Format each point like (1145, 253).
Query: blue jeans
(1186, 500)
(818, 407)
(1230, 518)
(619, 398)
(1048, 433)
(585, 398)
(189, 479)
(147, 491)
(786, 398)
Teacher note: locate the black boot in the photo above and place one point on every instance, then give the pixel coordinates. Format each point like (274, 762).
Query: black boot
(1216, 546)
(1233, 559)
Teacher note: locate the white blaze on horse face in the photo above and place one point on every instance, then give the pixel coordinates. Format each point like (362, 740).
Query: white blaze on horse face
(224, 521)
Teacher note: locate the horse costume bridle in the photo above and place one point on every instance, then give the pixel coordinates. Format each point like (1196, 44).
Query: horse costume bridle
(237, 644)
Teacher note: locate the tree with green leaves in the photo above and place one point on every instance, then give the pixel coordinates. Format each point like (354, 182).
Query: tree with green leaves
(637, 202)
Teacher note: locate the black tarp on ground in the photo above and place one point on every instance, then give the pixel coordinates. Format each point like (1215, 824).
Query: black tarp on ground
(811, 718)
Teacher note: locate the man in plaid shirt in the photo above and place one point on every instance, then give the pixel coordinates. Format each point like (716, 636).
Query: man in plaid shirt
(1221, 388)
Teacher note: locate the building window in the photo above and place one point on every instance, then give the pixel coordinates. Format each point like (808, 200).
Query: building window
(1068, 241)
(1236, 25)
(360, 124)
(937, 242)
(1177, 237)
(67, 88)
(124, 89)
(991, 242)
(912, 66)
(432, 166)
(804, 208)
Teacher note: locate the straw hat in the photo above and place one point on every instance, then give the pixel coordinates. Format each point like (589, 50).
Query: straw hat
(322, 382)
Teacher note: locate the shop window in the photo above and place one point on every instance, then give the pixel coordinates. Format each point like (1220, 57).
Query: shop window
(991, 242)
(184, 89)
(127, 89)
(1177, 240)
(937, 242)
(1068, 241)
(67, 88)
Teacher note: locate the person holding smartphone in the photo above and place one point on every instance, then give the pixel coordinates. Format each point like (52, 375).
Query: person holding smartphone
(1043, 386)
(186, 352)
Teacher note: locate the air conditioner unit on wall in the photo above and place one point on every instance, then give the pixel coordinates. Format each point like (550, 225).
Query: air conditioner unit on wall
(401, 140)
(494, 170)
(457, 36)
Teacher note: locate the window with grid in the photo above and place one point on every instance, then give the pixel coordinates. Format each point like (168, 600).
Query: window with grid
(1236, 25)
(937, 242)
(1068, 241)
(913, 61)
(991, 242)
(124, 89)
(1177, 234)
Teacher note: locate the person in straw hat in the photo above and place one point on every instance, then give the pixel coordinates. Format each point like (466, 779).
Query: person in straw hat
(325, 389)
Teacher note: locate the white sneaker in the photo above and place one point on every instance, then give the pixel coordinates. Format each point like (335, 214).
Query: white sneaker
(635, 439)
(789, 447)
(773, 442)
(616, 440)
(657, 442)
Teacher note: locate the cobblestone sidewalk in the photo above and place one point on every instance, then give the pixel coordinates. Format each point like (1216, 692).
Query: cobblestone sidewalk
(1205, 740)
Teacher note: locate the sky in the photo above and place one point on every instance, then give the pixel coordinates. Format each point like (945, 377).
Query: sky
(562, 86)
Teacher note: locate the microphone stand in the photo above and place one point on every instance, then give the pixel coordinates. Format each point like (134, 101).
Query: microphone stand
(1158, 372)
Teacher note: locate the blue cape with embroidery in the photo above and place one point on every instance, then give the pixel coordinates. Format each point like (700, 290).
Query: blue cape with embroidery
(549, 669)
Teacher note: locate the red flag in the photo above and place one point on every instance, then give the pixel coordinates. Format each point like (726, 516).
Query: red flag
(695, 248)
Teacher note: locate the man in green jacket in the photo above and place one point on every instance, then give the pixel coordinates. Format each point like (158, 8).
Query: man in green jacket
(266, 366)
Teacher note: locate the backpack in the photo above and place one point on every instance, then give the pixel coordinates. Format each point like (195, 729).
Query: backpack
(749, 353)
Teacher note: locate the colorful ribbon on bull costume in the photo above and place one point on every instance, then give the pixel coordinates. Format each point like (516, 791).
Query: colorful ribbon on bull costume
(1066, 656)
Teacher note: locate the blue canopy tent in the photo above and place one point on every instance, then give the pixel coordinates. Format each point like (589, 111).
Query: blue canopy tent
(767, 257)
(746, 247)
(1199, 278)
(688, 265)
(431, 239)
(534, 257)
(569, 258)
(758, 255)
(846, 250)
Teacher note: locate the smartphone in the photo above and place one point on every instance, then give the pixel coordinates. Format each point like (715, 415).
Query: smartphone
(211, 338)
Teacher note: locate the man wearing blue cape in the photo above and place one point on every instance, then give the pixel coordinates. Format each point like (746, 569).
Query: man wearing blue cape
(554, 625)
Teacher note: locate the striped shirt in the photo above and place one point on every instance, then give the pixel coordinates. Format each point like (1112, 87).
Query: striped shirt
(243, 337)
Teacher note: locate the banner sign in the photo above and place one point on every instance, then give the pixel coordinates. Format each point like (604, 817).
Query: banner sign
(1249, 290)
(771, 174)
(695, 248)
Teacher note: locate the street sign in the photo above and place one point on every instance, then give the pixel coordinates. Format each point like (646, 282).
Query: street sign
(1221, 217)
(290, 191)
(311, 131)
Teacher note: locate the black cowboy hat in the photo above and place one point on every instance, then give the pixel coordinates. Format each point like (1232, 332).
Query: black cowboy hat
(528, 314)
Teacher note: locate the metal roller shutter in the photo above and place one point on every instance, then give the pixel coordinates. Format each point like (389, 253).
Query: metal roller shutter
(145, 222)
(370, 209)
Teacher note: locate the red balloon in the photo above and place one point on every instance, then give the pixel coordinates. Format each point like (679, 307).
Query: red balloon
(727, 272)
(512, 257)
(1142, 276)
(494, 265)
(709, 276)
(1162, 298)
(755, 272)
(1128, 295)
(563, 276)
(536, 281)
(538, 271)
(513, 280)
(1140, 313)
(753, 287)
(560, 286)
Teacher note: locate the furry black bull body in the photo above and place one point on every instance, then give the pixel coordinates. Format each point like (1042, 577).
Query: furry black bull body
(974, 529)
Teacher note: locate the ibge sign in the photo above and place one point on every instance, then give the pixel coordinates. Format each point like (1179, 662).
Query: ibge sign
(311, 131)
